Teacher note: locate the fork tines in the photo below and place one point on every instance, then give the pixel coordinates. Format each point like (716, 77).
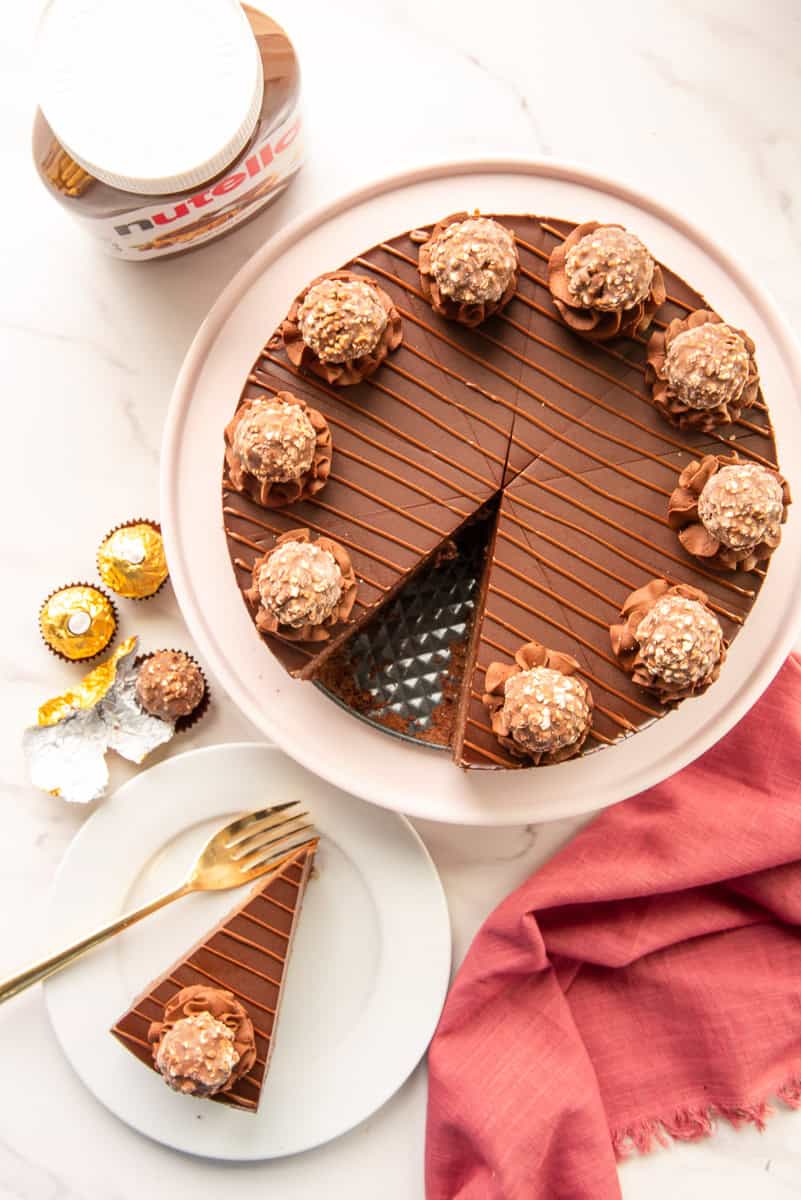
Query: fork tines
(270, 834)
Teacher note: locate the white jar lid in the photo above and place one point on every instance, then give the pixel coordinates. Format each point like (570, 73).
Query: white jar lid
(153, 96)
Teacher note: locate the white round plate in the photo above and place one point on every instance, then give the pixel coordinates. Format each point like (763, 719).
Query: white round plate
(346, 751)
(366, 981)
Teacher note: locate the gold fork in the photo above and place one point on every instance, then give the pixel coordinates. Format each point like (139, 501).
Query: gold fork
(248, 848)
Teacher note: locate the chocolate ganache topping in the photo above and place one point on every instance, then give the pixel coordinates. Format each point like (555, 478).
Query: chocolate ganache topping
(205, 1042)
(728, 511)
(540, 708)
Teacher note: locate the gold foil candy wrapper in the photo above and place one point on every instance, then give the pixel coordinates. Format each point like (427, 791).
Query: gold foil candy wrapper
(131, 561)
(89, 691)
(77, 622)
(66, 750)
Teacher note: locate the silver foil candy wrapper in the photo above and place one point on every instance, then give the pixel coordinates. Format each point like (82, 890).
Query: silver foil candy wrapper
(66, 751)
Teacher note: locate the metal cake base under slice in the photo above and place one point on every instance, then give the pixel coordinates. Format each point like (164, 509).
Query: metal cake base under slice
(402, 672)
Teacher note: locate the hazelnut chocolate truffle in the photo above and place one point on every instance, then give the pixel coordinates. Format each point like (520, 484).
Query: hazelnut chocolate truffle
(741, 505)
(205, 1042)
(604, 282)
(131, 560)
(301, 586)
(671, 642)
(77, 622)
(278, 450)
(541, 709)
(170, 685)
(702, 371)
(729, 512)
(707, 365)
(468, 268)
(341, 327)
(197, 1055)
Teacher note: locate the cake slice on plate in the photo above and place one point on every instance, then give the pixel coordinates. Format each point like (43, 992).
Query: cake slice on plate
(208, 1024)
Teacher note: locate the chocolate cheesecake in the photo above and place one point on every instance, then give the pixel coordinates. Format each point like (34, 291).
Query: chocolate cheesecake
(245, 958)
(556, 436)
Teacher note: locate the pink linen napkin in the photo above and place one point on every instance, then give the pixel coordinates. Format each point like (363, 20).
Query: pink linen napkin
(647, 979)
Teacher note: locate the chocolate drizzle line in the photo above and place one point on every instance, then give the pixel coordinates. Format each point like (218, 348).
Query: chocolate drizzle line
(643, 339)
(636, 562)
(373, 466)
(542, 433)
(602, 596)
(682, 562)
(604, 348)
(407, 437)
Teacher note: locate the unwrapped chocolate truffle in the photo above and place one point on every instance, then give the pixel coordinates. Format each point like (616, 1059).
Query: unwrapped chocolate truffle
(702, 371)
(77, 622)
(468, 267)
(277, 449)
(302, 587)
(729, 512)
(205, 1042)
(131, 561)
(341, 327)
(170, 685)
(540, 708)
(670, 642)
(604, 282)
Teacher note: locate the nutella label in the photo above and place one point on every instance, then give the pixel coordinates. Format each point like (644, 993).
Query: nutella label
(254, 178)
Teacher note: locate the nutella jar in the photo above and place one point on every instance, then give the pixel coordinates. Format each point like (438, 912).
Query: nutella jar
(165, 123)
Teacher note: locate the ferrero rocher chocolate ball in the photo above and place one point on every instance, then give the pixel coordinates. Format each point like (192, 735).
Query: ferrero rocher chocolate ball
(609, 269)
(474, 261)
(300, 584)
(275, 441)
(707, 365)
(680, 641)
(169, 685)
(741, 505)
(197, 1055)
(341, 320)
(545, 710)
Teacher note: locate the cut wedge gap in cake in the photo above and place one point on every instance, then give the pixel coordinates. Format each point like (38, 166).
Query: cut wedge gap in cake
(403, 671)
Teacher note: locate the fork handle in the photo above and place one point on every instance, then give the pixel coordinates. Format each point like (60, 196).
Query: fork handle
(18, 983)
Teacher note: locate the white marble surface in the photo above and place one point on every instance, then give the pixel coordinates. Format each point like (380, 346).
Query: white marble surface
(696, 101)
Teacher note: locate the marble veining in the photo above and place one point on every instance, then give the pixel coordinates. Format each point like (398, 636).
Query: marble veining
(695, 101)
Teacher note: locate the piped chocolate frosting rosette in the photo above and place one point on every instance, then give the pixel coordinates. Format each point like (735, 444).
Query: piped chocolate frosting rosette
(669, 641)
(702, 371)
(468, 268)
(302, 587)
(341, 327)
(540, 709)
(604, 282)
(205, 1042)
(728, 513)
(278, 450)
